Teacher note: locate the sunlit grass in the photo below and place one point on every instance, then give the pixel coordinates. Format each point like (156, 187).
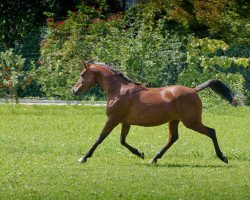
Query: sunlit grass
(40, 146)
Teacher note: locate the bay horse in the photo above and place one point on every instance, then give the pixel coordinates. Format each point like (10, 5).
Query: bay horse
(130, 103)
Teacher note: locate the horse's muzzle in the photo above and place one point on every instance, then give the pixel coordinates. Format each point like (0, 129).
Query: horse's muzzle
(75, 92)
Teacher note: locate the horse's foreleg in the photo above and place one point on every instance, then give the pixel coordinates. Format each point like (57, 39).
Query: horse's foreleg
(109, 126)
(173, 137)
(124, 133)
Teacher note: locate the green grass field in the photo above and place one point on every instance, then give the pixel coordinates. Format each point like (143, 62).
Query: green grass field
(40, 146)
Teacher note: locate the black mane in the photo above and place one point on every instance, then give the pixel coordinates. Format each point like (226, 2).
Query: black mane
(113, 69)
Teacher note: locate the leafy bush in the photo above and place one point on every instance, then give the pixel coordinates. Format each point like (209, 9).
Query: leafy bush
(149, 56)
(206, 60)
(61, 53)
(12, 76)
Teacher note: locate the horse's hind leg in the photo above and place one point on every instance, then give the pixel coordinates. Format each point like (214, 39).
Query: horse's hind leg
(199, 127)
(124, 133)
(173, 137)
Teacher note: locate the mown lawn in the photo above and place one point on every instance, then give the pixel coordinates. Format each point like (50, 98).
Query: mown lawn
(40, 146)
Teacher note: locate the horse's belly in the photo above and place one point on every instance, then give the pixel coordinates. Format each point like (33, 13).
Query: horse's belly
(150, 115)
(146, 122)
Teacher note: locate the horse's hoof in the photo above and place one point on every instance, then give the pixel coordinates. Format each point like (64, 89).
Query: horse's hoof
(82, 160)
(142, 155)
(153, 161)
(225, 160)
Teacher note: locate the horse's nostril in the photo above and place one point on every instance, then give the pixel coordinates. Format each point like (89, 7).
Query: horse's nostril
(74, 92)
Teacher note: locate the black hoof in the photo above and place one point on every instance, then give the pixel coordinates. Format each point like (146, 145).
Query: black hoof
(225, 160)
(142, 155)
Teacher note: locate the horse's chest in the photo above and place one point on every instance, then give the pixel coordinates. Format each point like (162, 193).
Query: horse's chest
(117, 107)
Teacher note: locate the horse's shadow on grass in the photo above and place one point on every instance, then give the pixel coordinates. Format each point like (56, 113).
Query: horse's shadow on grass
(180, 165)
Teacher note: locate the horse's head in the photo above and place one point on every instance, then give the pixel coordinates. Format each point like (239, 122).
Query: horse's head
(86, 80)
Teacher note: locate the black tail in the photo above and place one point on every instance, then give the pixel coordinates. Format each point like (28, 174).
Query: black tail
(220, 88)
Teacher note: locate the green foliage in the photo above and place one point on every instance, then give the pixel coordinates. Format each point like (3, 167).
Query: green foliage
(220, 19)
(61, 53)
(20, 28)
(204, 63)
(145, 52)
(12, 76)
(19, 18)
(39, 159)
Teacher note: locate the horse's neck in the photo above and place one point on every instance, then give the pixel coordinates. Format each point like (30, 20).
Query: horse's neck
(112, 85)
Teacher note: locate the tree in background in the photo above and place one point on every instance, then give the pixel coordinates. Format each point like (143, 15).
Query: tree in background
(227, 20)
(21, 28)
(19, 18)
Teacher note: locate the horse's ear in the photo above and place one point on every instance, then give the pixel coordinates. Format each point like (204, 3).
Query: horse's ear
(85, 64)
